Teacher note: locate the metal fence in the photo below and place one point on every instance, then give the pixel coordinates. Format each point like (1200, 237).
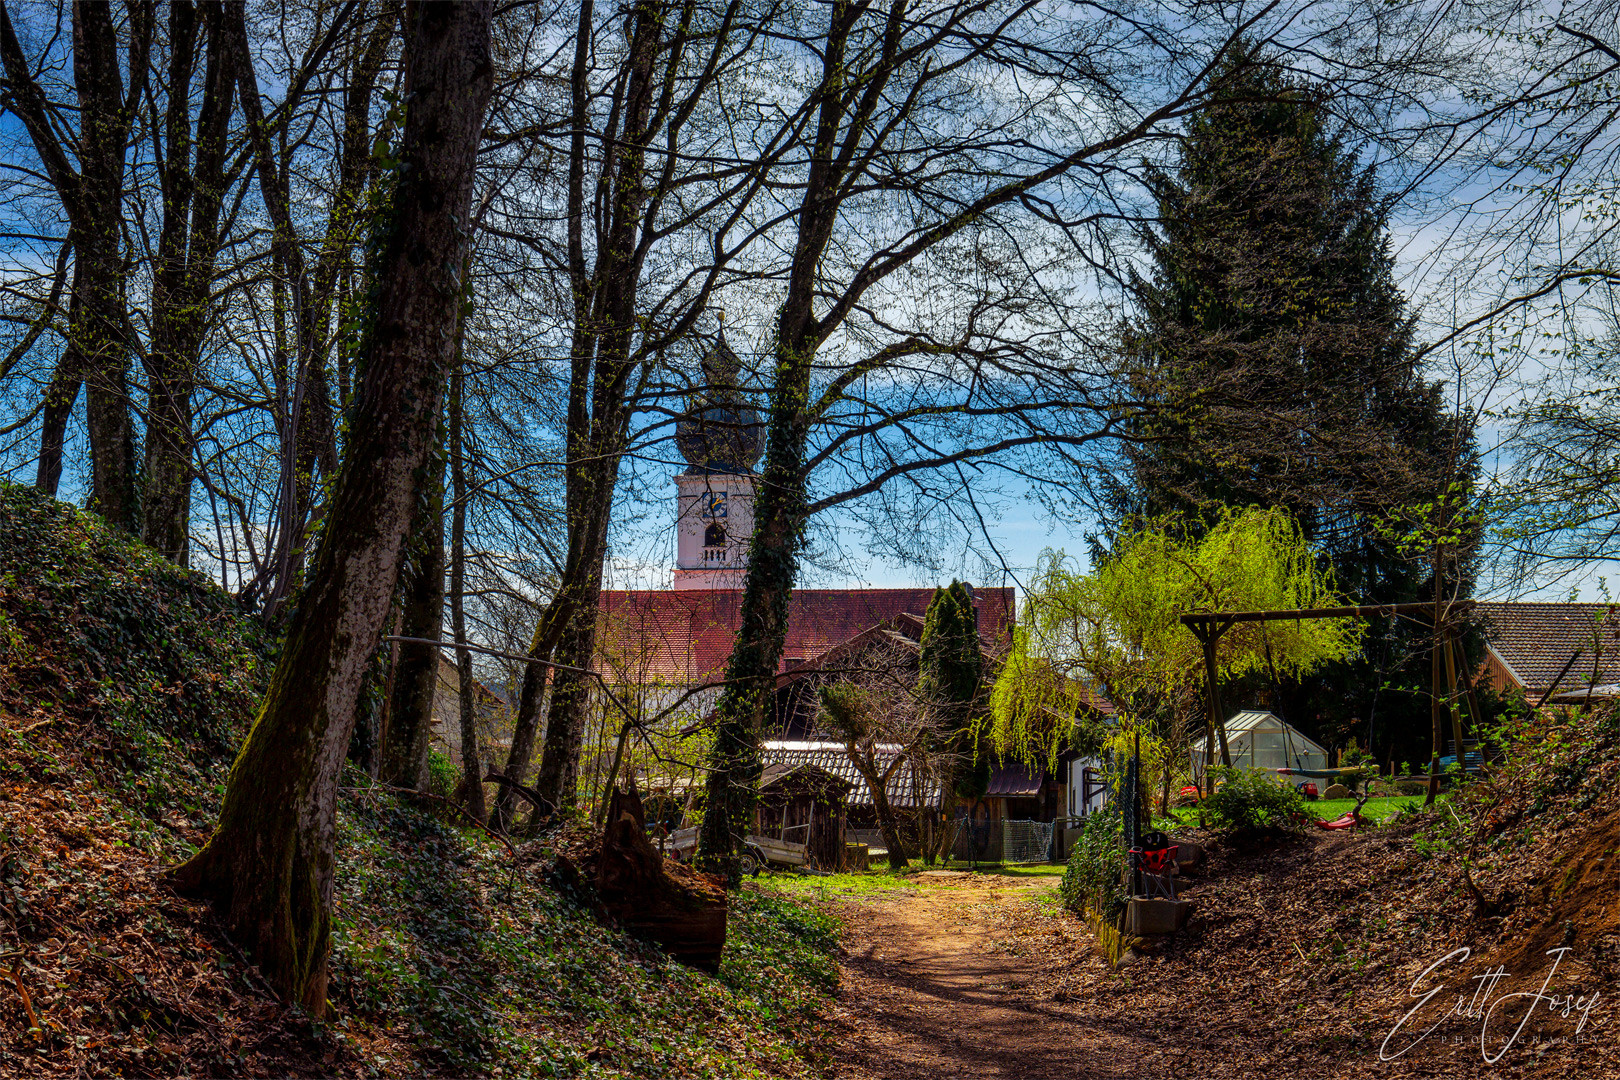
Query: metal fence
(1026, 841)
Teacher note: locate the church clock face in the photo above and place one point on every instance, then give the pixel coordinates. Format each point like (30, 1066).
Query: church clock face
(712, 505)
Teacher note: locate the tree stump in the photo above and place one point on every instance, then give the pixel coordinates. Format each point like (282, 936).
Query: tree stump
(680, 909)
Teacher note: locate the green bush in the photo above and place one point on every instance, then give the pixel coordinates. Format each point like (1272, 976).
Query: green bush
(1248, 801)
(1091, 879)
(443, 776)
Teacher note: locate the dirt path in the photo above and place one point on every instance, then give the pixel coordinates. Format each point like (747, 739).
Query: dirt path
(1288, 968)
(934, 986)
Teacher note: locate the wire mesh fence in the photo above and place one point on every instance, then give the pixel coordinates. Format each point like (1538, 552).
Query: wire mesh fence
(1026, 841)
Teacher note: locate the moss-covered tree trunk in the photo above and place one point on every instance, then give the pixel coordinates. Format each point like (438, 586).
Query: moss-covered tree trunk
(416, 671)
(268, 866)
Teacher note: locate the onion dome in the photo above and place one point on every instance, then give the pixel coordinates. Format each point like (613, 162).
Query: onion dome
(720, 433)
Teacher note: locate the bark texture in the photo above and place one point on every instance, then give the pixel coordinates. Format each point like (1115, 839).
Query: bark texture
(416, 669)
(471, 758)
(268, 866)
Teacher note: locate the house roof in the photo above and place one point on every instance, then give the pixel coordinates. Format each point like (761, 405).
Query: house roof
(1015, 782)
(830, 757)
(811, 775)
(686, 636)
(1534, 641)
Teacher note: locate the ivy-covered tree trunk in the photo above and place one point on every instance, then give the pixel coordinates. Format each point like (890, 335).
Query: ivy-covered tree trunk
(779, 518)
(268, 866)
(416, 671)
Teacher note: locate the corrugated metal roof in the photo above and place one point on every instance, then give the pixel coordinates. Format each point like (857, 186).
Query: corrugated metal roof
(1015, 782)
(831, 757)
(777, 772)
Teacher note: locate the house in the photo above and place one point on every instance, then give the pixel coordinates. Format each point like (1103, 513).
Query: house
(1535, 648)
(907, 790)
(494, 717)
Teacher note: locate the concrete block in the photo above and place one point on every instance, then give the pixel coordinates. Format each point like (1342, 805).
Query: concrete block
(1156, 916)
(1187, 852)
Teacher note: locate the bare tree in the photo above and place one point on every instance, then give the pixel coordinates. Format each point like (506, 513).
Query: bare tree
(925, 207)
(90, 185)
(268, 865)
(192, 183)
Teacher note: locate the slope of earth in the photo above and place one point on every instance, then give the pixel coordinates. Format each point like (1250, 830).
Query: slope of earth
(125, 686)
(1304, 958)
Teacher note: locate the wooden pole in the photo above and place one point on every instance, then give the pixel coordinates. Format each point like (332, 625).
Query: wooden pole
(1217, 719)
(1436, 714)
(1451, 698)
(1468, 685)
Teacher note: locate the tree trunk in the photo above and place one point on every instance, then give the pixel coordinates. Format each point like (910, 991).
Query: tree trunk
(416, 668)
(105, 115)
(309, 436)
(471, 759)
(531, 697)
(779, 518)
(98, 348)
(60, 394)
(781, 506)
(188, 247)
(878, 784)
(605, 322)
(268, 866)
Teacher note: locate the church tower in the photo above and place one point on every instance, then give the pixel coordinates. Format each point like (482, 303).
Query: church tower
(721, 439)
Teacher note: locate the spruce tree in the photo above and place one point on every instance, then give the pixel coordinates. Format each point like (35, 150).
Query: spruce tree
(1272, 337)
(951, 680)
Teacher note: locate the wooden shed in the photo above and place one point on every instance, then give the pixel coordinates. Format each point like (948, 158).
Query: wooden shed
(804, 804)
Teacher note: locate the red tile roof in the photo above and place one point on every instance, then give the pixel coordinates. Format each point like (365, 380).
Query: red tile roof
(1534, 641)
(685, 636)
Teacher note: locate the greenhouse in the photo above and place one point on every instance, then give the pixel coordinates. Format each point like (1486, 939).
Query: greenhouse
(1261, 740)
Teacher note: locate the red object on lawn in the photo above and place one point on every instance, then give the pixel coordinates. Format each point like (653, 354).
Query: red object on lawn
(1192, 791)
(1347, 821)
(1310, 790)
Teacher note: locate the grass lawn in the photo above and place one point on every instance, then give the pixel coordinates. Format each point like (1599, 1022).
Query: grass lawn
(838, 886)
(1379, 809)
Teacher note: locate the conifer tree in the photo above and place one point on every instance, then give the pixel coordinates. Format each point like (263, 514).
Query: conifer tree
(1271, 332)
(951, 680)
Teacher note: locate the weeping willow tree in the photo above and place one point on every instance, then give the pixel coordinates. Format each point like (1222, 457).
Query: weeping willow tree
(1117, 630)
